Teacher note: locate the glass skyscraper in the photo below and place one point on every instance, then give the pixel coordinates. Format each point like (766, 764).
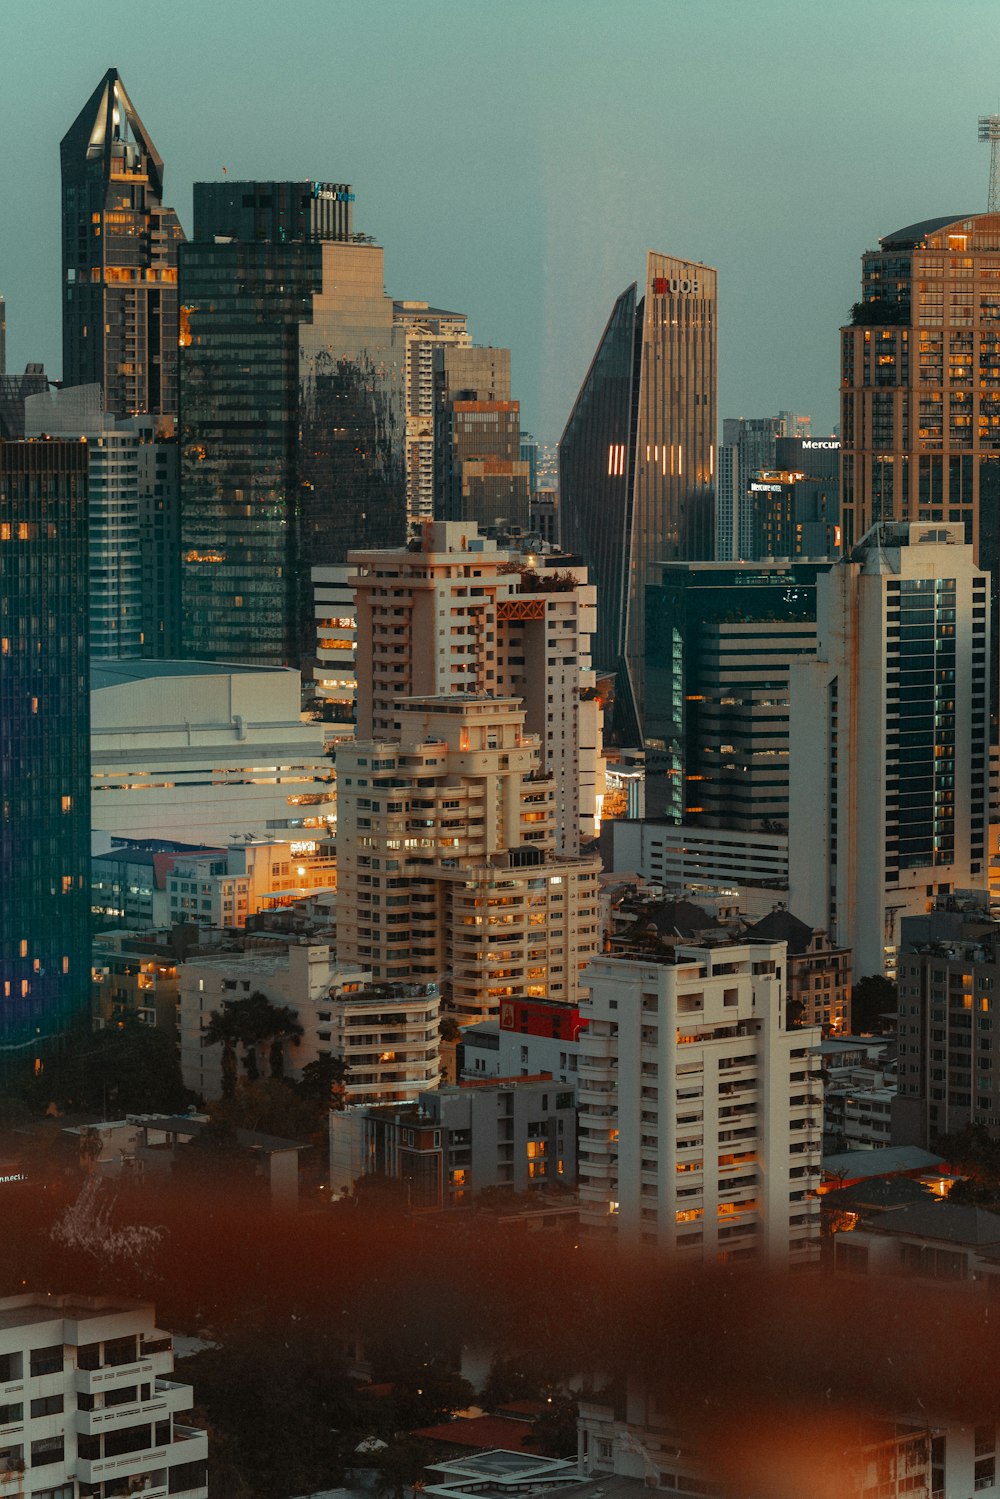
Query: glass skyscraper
(637, 459)
(119, 258)
(291, 417)
(44, 744)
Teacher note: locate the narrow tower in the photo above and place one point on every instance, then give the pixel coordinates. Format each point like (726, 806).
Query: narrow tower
(119, 258)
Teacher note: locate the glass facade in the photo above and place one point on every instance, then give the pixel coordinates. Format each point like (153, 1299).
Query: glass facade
(637, 458)
(291, 436)
(720, 643)
(119, 258)
(44, 743)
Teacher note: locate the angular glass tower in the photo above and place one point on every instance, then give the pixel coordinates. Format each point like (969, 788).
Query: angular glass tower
(292, 418)
(44, 744)
(119, 258)
(637, 459)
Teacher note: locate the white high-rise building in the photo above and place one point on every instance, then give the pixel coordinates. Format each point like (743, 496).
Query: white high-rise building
(889, 739)
(456, 614)
(334, 669)
(425, 329)
(90, 1406)
(700, 1111)
(447, 870)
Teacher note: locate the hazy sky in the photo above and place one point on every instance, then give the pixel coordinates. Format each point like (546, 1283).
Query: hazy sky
(517, 158)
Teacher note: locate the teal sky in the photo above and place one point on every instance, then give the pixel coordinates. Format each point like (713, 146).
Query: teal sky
(518, 158)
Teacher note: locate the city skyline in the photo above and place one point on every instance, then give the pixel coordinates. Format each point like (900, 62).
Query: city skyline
(546, 215)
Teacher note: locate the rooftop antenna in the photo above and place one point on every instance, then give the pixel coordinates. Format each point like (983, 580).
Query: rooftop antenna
(989, 130)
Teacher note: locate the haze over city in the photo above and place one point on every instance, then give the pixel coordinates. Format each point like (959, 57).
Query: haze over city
(517, 161)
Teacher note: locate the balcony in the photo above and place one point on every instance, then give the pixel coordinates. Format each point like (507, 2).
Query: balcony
(189, 1445)
(155, 1361)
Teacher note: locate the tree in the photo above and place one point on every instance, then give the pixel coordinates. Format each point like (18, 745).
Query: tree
(250, 1023)
(400, 1466)
(323, 1080)
(554, 1432)
(223, 1030)
(129, 1068)
(214, 1155)
(871, 998)
(270, 1105)
(450, 1029)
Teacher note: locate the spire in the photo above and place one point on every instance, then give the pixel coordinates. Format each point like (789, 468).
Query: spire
(108, 130)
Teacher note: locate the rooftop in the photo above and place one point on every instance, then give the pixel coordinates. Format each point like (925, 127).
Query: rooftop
(857, 1165)
(912, 234)
(953, 1222)
(116, 673)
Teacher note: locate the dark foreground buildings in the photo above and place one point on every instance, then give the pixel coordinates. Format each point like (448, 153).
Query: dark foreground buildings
(292, 416)
(44, 744)
(637, 458)
(119, 258)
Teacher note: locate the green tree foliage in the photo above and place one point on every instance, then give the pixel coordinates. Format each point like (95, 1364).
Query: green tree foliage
(252, 1023)
(127, 1069)
(322, 1081)
(214, 1156)
(554, 1432)
(871, 998)
(270, 1105)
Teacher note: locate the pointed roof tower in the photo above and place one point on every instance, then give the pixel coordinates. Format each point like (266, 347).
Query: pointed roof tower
(108, 136)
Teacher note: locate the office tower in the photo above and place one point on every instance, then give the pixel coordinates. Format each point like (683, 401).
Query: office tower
(14, 391)
(159, 536)
(116, 582)
(60, 1355)
(889, 738)
(273, 212)
(44, 750)
(637, 458)
(720, 642)
(700, 1110)
(446, 868)
(481, 478)
(291, 423)
(424, 329)
(794, 425)
(457, 614)
(728, 502)
(949, 1053)
(793, 509)
(529, 455)
(119, 258)
(3, 336)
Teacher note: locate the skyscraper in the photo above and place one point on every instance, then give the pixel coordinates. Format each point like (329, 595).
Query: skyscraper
(119, 258)
(889, 739)
(637, 458)
(425, 330)
(291, 420)
(481, 477)
(44, 743)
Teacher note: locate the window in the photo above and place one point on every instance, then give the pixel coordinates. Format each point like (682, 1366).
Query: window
(47, 1450)
(46, 1360)
(47, 1405)
(11, 1413)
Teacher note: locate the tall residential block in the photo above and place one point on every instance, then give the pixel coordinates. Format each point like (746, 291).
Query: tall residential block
(291, 416)
(700, 1110)
(447, 870)
(425, 329)
(456, 613)
(44, 746)
(481, 478)
(119, 255)
(637, 458)
(889, 738)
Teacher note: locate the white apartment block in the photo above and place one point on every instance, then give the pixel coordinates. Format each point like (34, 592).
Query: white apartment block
(681, 857)
(425, 329)
(205, 753)
(458, 614)
(87, 1405)
(387, 1035)
(889, 739)
(447, 871)
(701, 1114)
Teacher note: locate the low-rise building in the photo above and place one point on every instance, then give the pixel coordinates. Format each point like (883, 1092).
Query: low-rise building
(89, 1405)
(516, 1133)
(860, 1087)
(386, 1034)
(818, 973)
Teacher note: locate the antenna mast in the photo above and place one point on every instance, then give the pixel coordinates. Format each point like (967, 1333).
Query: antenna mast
(989, 130)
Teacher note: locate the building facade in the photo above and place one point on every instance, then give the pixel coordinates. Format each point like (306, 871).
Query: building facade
(889, 739)
(44, 747)
(291, 425)
(458, 614)
(119, 253)
(91, 1407)
(637, 458)
(447, 870)
(425, 330)
(206, 753)
(701, 1112)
